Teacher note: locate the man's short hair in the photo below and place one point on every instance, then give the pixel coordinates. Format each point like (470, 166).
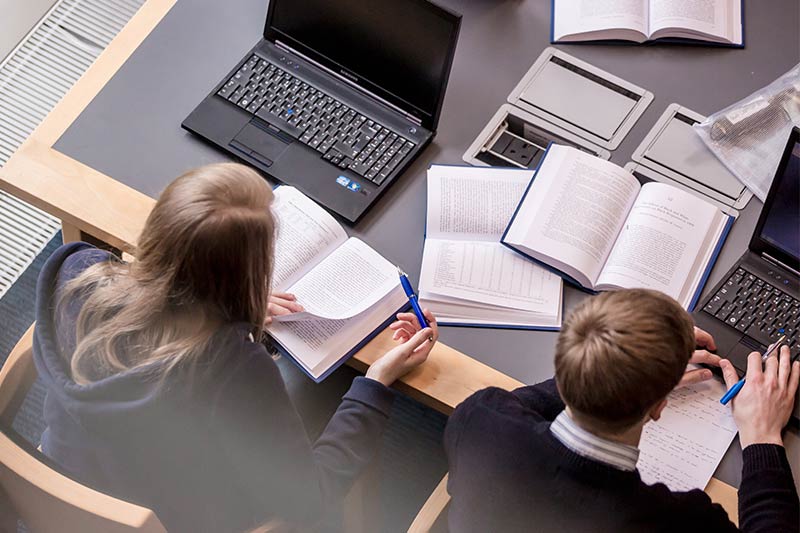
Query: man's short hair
(620, 353)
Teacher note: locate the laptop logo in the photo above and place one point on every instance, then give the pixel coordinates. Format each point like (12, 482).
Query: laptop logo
(348, 184)
(348, 75)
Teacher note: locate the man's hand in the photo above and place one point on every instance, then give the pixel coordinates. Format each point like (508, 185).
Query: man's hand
(763, 406)
(282, 303)
(702, 356)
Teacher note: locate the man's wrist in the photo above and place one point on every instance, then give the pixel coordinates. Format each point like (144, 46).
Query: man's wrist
(767, 438)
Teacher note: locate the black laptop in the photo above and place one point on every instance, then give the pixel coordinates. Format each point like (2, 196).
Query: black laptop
(758, 301)
(338, 98)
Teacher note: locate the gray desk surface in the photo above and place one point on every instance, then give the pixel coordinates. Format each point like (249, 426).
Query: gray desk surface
(131, 130)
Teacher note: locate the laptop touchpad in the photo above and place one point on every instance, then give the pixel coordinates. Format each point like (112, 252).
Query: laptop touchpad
(259, 143)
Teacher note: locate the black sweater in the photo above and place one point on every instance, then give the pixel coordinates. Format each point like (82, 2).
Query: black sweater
(223, 451)
(509, 473)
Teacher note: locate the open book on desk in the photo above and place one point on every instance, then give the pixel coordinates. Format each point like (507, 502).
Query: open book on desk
(468, 278)
(593, 223)
(717, 22)
(349, 291)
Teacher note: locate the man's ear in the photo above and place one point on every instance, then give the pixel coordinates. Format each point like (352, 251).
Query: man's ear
(657, 409)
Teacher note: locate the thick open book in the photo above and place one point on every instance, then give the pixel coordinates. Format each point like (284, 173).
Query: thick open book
(712, 21)
(349, 291)
(595, 224)
(468, 278)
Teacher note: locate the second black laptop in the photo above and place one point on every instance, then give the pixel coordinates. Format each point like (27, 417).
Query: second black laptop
(757, 303)
(337, 98)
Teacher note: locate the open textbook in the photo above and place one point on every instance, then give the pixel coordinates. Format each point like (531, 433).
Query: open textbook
(684, 447)
(592, 222)
(468, 277)
(713, 21)
(348, 290)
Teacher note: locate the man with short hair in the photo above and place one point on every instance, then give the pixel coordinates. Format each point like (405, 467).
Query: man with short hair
(561, 455)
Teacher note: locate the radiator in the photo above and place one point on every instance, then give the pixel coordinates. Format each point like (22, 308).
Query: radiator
(33, 78)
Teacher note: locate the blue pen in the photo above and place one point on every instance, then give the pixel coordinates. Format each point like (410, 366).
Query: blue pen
(412, 297)
(733, 391)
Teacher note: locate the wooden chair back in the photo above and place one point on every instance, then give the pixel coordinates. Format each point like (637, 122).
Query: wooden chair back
(432, 517)
(43, 498)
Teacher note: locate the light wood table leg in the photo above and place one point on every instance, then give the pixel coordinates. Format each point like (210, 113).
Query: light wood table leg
(70, 233)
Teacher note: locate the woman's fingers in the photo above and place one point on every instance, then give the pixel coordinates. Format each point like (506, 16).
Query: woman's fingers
(291, 305)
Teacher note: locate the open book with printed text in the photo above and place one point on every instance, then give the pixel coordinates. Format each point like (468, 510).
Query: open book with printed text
(348, 290)
(468, 278)
(596, 225)
(713, 21)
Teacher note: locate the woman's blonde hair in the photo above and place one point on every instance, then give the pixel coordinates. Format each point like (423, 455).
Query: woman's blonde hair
(204, 259)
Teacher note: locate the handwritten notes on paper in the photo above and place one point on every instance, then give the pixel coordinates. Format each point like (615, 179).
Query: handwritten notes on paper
(683, 448)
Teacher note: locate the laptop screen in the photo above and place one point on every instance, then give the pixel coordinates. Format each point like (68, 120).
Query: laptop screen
(400, 50)
(779, 227)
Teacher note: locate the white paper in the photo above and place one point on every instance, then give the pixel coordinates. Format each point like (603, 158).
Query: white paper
(684, 448)
(350, 280)
(305, 235)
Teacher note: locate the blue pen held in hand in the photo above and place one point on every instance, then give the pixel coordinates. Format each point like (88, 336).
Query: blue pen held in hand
(733, 391)
(412, 297)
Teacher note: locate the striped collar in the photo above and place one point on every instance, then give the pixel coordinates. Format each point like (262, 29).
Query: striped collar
(620, 456)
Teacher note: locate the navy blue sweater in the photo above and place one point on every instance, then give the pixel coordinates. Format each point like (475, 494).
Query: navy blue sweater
(509, 473)
(221, 452)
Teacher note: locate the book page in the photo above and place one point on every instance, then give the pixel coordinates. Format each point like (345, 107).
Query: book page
(318, 344)
(351, 279)
(573, 212)
(488, 272)
(596, 19)
(306, 234)
(658, 246)
(684, 448)
(711, 18)
(472, 204)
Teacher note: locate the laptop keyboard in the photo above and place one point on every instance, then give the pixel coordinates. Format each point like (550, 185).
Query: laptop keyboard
(339, 133)
(758, 309)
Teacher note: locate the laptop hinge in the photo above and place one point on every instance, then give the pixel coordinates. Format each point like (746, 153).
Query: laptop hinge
(774, 261)
(411, 118)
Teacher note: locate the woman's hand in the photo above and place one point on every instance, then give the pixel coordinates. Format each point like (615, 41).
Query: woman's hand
(280, 304)
(416, 345)
(407, 325)
(704, 340)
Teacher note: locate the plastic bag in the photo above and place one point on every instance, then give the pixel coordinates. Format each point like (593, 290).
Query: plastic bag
(749, 137)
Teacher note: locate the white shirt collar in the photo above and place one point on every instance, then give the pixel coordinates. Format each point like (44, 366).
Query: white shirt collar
(586, 444)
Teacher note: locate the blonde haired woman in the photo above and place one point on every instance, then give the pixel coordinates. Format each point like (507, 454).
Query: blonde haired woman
(158, 390)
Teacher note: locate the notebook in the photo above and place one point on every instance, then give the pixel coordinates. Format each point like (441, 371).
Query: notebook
(468, 278)
(349, 291)
(713, 22)
(600, 229)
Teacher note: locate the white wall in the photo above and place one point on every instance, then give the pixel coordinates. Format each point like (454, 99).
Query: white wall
(17, 18)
